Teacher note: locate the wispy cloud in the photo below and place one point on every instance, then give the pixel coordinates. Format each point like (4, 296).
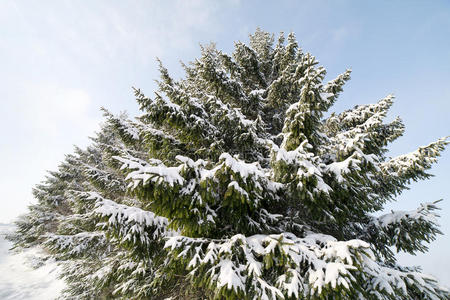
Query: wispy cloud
(51, 109)
(62, 60)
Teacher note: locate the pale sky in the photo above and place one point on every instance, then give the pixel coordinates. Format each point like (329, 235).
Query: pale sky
(60, 61)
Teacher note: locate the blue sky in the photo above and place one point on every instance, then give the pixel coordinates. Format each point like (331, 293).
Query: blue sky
(62, 60)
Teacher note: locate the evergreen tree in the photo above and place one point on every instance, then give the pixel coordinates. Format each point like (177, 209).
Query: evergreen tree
(233, 184)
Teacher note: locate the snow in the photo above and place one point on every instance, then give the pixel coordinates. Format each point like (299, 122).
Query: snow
(423, 213)
(308, 165)
(326, 96)
(292, 107)
(77, 243)
(122, 213)
(361, 113)
(343, 167)
(131, 220)
(421, 159)
(238, 189)
(242, 118)
(127, 126)
(149, 129)
(341, 249)
(229, 276)
(240, 167)
(190, 163)
(170, 104)
(19, 280)
(331, 261)
(244, 170)
(156, 172)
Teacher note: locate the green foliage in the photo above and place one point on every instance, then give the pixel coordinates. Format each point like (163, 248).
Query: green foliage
(233, 184)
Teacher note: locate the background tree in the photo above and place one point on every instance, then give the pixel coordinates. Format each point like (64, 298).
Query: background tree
(234, 183)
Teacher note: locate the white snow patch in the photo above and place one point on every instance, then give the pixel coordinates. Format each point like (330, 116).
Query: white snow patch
(19, 280)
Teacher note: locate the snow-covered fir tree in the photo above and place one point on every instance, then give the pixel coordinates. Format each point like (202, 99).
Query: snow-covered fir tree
(234, 183)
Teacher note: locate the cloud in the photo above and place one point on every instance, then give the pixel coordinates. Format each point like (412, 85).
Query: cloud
(52, 108)
(40, 124)
(62, 60)
(339, 34)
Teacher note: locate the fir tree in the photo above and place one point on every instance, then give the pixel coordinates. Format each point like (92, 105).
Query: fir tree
(233, 184)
